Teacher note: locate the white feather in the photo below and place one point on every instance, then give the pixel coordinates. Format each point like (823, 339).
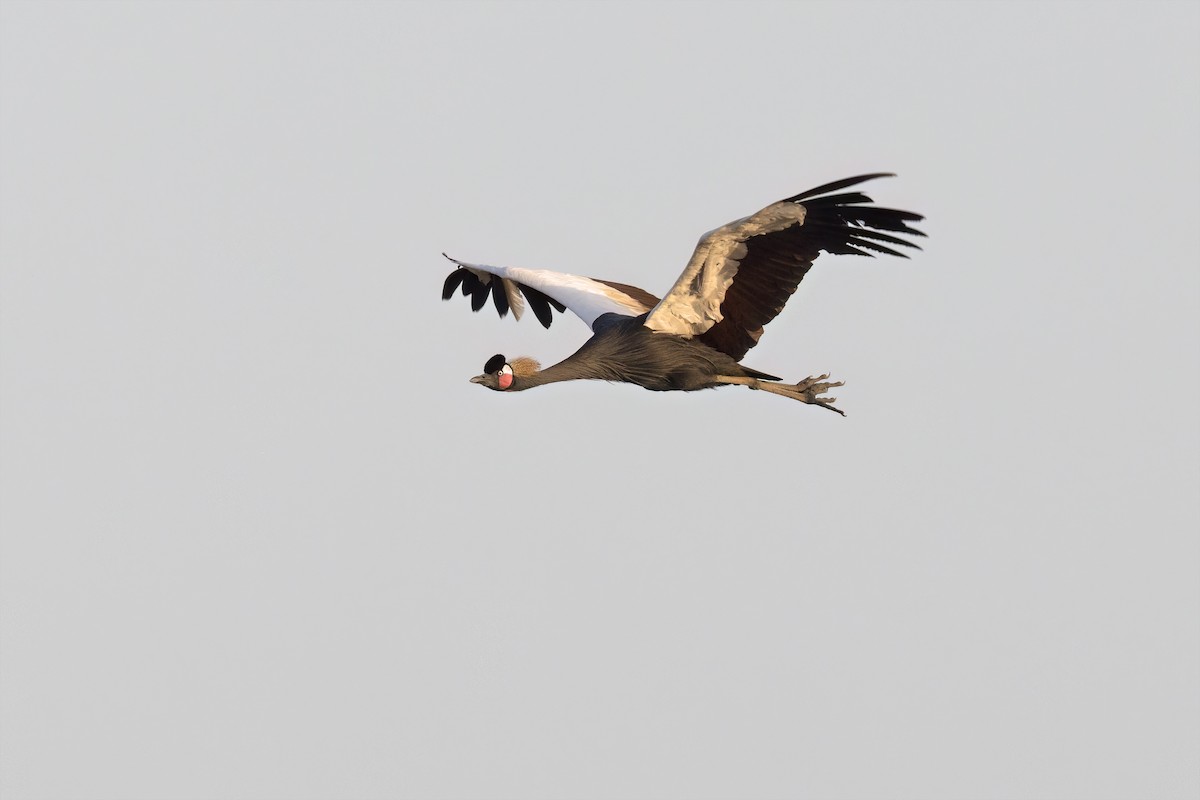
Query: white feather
(586, 298)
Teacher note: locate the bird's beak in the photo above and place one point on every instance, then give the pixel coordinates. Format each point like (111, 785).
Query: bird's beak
(478, 379)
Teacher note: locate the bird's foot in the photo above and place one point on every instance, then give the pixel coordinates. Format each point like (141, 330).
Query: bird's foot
(810, 390)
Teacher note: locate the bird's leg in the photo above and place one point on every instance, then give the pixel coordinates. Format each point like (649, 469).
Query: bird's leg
(753, 383)
(808, 390)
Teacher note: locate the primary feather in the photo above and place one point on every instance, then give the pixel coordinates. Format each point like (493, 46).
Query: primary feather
(738, 279)
(742, 274)
(585, 297)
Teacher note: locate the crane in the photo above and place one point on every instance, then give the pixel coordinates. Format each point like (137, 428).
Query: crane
(694, 337)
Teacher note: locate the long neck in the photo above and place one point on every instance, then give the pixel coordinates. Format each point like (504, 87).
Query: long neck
(571, 368)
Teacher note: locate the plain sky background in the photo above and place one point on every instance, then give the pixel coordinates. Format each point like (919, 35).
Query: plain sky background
(262, 539)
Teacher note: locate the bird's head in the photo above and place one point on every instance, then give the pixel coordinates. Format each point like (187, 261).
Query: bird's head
(501, 376)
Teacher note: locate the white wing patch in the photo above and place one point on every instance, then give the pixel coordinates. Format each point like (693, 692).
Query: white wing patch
(586, 298)
(694, 303)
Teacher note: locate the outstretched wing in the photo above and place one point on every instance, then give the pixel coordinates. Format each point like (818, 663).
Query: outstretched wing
(511, 287)
(741, 275)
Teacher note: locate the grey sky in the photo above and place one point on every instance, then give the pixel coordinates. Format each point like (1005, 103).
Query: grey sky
(262, 539)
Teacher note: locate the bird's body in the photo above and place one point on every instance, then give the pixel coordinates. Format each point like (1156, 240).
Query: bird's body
(623, 349)
(693, 338)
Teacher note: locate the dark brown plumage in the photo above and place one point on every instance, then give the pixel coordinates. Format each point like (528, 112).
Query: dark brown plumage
(738, 280)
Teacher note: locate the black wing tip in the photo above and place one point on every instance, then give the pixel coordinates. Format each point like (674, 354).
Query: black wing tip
(870, 176)
(540, 304)
(499, 298)
(850, 223)
(453, 280)
(479, 291)
(836, 185)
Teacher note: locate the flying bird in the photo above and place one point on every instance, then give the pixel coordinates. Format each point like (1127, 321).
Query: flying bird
(695, 336)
